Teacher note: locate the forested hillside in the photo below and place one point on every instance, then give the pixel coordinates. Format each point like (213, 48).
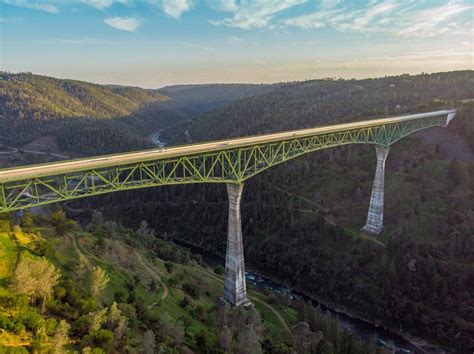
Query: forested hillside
(90, 119)
(195, 99)
(102, 288)
(320, 102)
(78, 114)
(26, 96)
(302, 219)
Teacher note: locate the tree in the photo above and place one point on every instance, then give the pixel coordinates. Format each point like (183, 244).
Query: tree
(457, 172)
(81, 267)
(35, 277)
(97, 221)
(40, 342)
(186, 321)
(306, 341)
(248, 341)
(203, 342)
(27, 221)
(96, 320)
(116, 322)
(169, 331)
(219, 270)
(114, 315)
(59, 221)
(61, 338)
(99, 281)
(149, 342)
(145, 234)
(225, 339)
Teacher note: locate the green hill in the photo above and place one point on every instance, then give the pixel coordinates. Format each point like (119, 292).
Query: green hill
(111, 289)
(26, 96)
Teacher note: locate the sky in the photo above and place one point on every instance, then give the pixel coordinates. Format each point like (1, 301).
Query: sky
(153, 43)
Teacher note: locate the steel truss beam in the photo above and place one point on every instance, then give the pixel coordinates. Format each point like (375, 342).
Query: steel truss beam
(229, 165)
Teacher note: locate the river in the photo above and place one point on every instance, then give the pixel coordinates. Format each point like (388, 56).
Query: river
(364, 330)
(155, 139)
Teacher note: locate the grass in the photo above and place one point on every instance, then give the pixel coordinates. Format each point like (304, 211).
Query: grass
(8, 254)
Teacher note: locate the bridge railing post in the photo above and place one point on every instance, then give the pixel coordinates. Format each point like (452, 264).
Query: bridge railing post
(374, 224)
(235, 291)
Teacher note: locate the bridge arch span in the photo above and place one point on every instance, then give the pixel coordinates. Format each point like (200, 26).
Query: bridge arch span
(226, 161)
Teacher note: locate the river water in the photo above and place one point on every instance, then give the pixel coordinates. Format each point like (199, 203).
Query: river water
(365, 330)
(155, 139)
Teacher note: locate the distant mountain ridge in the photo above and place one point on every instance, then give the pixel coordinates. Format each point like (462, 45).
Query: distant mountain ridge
(28, 96)
(320, 102)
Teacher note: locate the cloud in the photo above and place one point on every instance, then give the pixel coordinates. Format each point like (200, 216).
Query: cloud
(401, 19)
(99, 4)
(35, 5)
(314, 20)
(256, 13)
(345, 20)
(329, 4)
(427, 23)
(363, 20)
(223, 5)
(129, 24)
(173, 8)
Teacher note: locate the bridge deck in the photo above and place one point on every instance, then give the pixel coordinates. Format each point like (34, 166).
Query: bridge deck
(57, 168)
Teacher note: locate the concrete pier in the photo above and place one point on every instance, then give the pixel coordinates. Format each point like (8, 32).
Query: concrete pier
(374, 224)
(235, 291)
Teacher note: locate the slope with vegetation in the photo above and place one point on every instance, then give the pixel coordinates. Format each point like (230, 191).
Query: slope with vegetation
(84, 117)
(106, 289)
(193, 100)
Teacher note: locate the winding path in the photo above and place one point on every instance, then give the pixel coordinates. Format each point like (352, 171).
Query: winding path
(153, 274)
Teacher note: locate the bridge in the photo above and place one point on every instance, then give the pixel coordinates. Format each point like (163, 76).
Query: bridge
(230, 161)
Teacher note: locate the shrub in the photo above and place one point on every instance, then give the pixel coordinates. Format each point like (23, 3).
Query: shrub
(192, 290)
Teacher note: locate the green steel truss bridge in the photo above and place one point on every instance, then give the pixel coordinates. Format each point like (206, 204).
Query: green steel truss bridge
(227, 161)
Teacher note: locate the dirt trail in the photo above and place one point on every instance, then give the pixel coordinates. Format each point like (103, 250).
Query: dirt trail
(153, 274)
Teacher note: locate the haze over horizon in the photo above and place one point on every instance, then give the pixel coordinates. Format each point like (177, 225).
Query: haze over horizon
(157, 43)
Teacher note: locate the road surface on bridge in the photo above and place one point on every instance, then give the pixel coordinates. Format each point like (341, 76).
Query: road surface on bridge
(20, 173)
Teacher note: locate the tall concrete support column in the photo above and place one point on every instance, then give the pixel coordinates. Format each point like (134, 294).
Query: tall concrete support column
(374, 224)
(235, 290)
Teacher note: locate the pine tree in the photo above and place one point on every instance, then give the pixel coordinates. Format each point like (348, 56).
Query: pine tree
(61, 338)
(99, 281)
(149, 342)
